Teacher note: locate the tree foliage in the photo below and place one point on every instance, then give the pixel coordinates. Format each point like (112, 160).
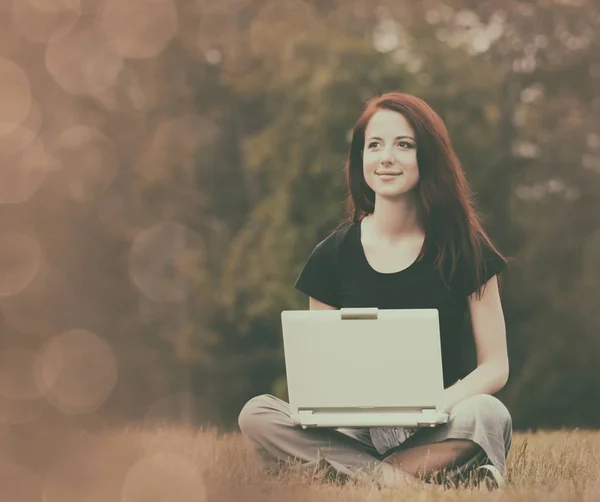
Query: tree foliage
(178, 213)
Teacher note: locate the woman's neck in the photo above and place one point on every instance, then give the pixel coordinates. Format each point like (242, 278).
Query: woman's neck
(395, 218)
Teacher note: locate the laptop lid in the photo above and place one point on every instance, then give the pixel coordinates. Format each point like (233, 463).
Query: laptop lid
(362, 358)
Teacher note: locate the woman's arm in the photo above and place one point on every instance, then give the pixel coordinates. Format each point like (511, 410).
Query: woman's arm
(489, 330)
(317, 305)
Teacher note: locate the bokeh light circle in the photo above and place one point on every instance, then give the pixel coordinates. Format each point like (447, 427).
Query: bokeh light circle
(88, 161)
(15, 93)
(82, 62)
(164, 476)
(45, 21)
(20, 261)
(13, 139)
(23, 166)
(76, 371)
(139, 29)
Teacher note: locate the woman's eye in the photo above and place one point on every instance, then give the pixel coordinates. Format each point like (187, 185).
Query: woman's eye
(405, 144)
(373, 144)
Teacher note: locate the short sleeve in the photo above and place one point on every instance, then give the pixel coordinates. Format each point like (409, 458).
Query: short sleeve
(319, 276)
(493, 264)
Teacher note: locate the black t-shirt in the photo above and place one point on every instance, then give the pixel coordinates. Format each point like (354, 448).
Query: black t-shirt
(337, 273)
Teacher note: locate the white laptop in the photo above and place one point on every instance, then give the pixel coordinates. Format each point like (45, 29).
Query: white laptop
(363, 367)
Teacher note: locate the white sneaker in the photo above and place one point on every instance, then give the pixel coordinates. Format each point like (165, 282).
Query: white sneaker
(388, 476)
(490, 477)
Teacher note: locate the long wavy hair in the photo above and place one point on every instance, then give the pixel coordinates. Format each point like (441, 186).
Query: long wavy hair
(453, 230)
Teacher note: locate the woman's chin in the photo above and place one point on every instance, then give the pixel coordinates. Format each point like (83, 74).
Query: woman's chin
(392, 193)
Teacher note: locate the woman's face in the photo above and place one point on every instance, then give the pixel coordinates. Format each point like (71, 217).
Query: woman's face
(390, 155)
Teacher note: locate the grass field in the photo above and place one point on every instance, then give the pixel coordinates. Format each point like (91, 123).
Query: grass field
(178, 465)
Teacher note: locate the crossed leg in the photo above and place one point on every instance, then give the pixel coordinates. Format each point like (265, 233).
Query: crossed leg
(265, 422)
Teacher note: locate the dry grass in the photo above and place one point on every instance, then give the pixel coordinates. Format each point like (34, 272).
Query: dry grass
(182, 465)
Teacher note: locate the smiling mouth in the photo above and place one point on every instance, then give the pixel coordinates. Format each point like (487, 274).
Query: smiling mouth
(389, 174)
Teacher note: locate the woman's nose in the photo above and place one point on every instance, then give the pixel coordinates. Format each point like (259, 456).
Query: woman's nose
(387, 156)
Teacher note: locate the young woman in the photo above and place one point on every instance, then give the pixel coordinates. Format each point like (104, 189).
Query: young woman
(413, 240)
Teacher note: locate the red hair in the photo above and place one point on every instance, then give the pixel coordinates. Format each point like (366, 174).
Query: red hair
(453, 230)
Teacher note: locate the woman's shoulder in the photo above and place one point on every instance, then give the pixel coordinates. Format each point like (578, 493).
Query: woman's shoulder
(338, 237)
(331, 250)
(320, 275)
(473, 272)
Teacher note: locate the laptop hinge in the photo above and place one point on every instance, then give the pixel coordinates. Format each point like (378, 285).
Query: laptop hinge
(359, 313)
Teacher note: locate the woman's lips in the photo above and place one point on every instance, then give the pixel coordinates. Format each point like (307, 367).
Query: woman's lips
(388, 176)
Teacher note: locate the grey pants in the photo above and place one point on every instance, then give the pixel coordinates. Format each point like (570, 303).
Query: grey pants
(265, 422)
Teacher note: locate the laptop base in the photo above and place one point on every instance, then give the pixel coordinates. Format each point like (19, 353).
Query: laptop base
(359, 419)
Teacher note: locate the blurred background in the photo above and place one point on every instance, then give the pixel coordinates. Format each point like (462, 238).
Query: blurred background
(167, 166)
